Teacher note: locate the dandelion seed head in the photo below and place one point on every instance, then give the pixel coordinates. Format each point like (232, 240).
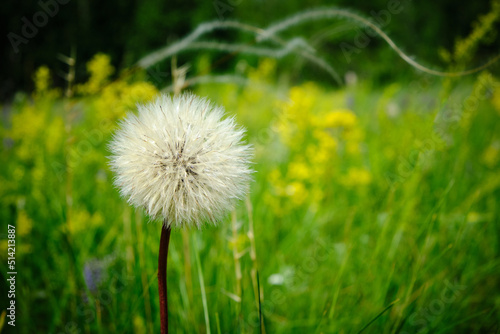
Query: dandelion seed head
(181, 160)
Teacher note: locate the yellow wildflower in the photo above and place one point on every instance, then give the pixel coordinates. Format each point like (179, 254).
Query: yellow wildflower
(340, 118)
(265, 69)
(299, 170)
(120, 97)
(357, 177)
(82, 220)
(491, 155)
(23, 223)
(474, 217)
(42, 79)
(326, 140)
(100, 69)
(297, 192)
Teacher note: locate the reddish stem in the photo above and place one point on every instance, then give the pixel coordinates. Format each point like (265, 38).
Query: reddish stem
(162, 277)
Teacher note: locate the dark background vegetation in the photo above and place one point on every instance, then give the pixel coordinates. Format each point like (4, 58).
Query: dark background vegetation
(129, 29)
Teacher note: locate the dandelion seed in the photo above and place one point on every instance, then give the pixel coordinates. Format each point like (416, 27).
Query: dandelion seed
(181, 160)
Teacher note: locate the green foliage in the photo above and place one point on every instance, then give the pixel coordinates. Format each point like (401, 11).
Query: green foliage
(128, 30)
(483, 31)
(407, 216)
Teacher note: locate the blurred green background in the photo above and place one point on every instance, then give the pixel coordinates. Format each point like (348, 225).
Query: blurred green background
(375, 205)
(128, 30)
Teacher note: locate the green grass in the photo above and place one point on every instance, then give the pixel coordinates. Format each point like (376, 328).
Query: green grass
(415, 250)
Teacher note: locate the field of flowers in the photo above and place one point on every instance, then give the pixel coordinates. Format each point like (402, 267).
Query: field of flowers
(372, 209)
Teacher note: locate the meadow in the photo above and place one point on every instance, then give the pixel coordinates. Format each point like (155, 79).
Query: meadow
(374, 208)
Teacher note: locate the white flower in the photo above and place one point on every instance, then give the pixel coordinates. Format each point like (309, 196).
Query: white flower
(181, 160)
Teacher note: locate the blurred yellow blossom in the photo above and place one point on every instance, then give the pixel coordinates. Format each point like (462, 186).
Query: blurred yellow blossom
(317, 155)
(340, 118)
(357, 177)
(319, 142)
(23, 223)
(42, 81)
(474, 217)
(139, 324)
(352, 148)
(297, 192)
(4, 245)
(325, 140)
(495, 99)
(465, 47)
(265, 70)
(54, 135)
(491, 155)
(27, 124)
(239, 243)
(100, 69)
(118, 98)
(299, 170)
(82, 220)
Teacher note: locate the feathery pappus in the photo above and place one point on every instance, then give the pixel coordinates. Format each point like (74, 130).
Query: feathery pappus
(181, 159)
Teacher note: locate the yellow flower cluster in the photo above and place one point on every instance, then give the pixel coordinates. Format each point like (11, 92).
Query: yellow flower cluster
(100, 69)
(43, 80)
(465, 48)
(114, 99)
(61, 140)
(491, 155)
(324, 149)
(357, 177)
(34, 123)
(495, 99)
(119, 97)
(82, 220)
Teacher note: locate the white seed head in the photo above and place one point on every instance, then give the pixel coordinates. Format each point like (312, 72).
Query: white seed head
(181, 160)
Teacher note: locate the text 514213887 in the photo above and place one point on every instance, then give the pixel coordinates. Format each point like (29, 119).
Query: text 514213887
(11, 274)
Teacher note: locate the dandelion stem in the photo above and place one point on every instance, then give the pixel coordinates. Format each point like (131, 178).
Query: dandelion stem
(162, 276)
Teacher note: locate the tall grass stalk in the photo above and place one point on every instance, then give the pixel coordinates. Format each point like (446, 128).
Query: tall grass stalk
(253, 252)
(236, 255)
(334, 13)
(142, 263)
(295, 45)
(205, 28)
(202, 287)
